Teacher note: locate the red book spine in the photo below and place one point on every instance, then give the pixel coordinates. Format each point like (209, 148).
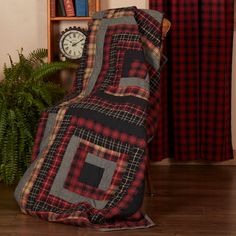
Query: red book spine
(69, 7)
(53, 8)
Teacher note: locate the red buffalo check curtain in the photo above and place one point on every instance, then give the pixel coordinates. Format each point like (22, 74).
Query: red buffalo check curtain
(195, 109)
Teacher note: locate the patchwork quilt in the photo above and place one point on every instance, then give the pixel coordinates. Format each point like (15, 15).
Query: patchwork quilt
(90, 150)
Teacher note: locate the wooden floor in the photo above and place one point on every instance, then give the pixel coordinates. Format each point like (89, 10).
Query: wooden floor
(191, 200)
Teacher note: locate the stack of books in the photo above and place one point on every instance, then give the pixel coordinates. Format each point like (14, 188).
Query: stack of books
(70, 8)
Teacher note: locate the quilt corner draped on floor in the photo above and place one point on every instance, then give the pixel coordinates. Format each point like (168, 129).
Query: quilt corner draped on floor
(90, 149)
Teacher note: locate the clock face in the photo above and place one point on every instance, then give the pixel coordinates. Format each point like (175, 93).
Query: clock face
(72, 43)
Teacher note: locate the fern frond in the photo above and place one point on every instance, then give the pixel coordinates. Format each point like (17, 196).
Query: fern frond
(20, 70)
(38, 104)
(23, 124)
(7, 71)
(25, 98)
(48, 69)
(9, 167)
(55, 90)
(3, 122)
(10, 59)
(41, 92)
(37, 56)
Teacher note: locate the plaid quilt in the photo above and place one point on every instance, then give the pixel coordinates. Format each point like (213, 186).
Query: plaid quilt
(91, 148)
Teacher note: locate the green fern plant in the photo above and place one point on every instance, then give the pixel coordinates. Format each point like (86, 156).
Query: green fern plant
(24, 94)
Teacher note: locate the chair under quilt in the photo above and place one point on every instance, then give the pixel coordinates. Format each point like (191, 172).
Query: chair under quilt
(90, 149)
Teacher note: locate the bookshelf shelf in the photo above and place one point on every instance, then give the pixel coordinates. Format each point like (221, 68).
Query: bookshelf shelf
(82, 18)
(54, 24)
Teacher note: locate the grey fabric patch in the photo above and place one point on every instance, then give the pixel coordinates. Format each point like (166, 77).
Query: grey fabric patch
(26, 177)
(155, 14)
(24, 180)
(99, 47)
(134, 81)
(58, 189)
(47, 132)
(109, 169)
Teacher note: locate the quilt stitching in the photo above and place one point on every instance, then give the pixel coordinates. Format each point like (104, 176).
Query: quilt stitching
(93, 165)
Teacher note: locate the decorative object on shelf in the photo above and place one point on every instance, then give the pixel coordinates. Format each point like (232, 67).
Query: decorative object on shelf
(81, 7)
(61, 8)
(71, 43)
(61, 18)
(91, 7)
(69, 7)
(53, 8)
(24, 93)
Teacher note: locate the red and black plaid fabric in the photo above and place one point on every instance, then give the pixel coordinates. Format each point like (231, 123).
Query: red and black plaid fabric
(195, 110)
(90, 150)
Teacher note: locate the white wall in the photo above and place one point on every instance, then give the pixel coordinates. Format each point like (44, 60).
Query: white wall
(24, 24)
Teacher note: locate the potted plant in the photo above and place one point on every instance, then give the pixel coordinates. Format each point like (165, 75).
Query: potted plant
(24, 93)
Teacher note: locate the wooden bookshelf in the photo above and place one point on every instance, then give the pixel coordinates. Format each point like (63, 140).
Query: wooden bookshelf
(71, 18)
(53, 25)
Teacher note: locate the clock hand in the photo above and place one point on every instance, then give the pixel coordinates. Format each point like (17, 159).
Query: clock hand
(74, 44)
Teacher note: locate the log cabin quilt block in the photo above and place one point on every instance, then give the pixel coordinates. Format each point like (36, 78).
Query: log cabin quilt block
(90, 150)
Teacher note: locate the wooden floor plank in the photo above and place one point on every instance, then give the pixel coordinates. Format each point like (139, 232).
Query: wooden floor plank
(190, 200)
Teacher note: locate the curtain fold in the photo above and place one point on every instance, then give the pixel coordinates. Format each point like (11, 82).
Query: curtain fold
(195, 109)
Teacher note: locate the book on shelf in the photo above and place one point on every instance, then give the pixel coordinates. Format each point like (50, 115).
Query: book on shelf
(81, 7)
(86, 8)
(60, 8)
(52, 8)
(69, 7)
(91, 7)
